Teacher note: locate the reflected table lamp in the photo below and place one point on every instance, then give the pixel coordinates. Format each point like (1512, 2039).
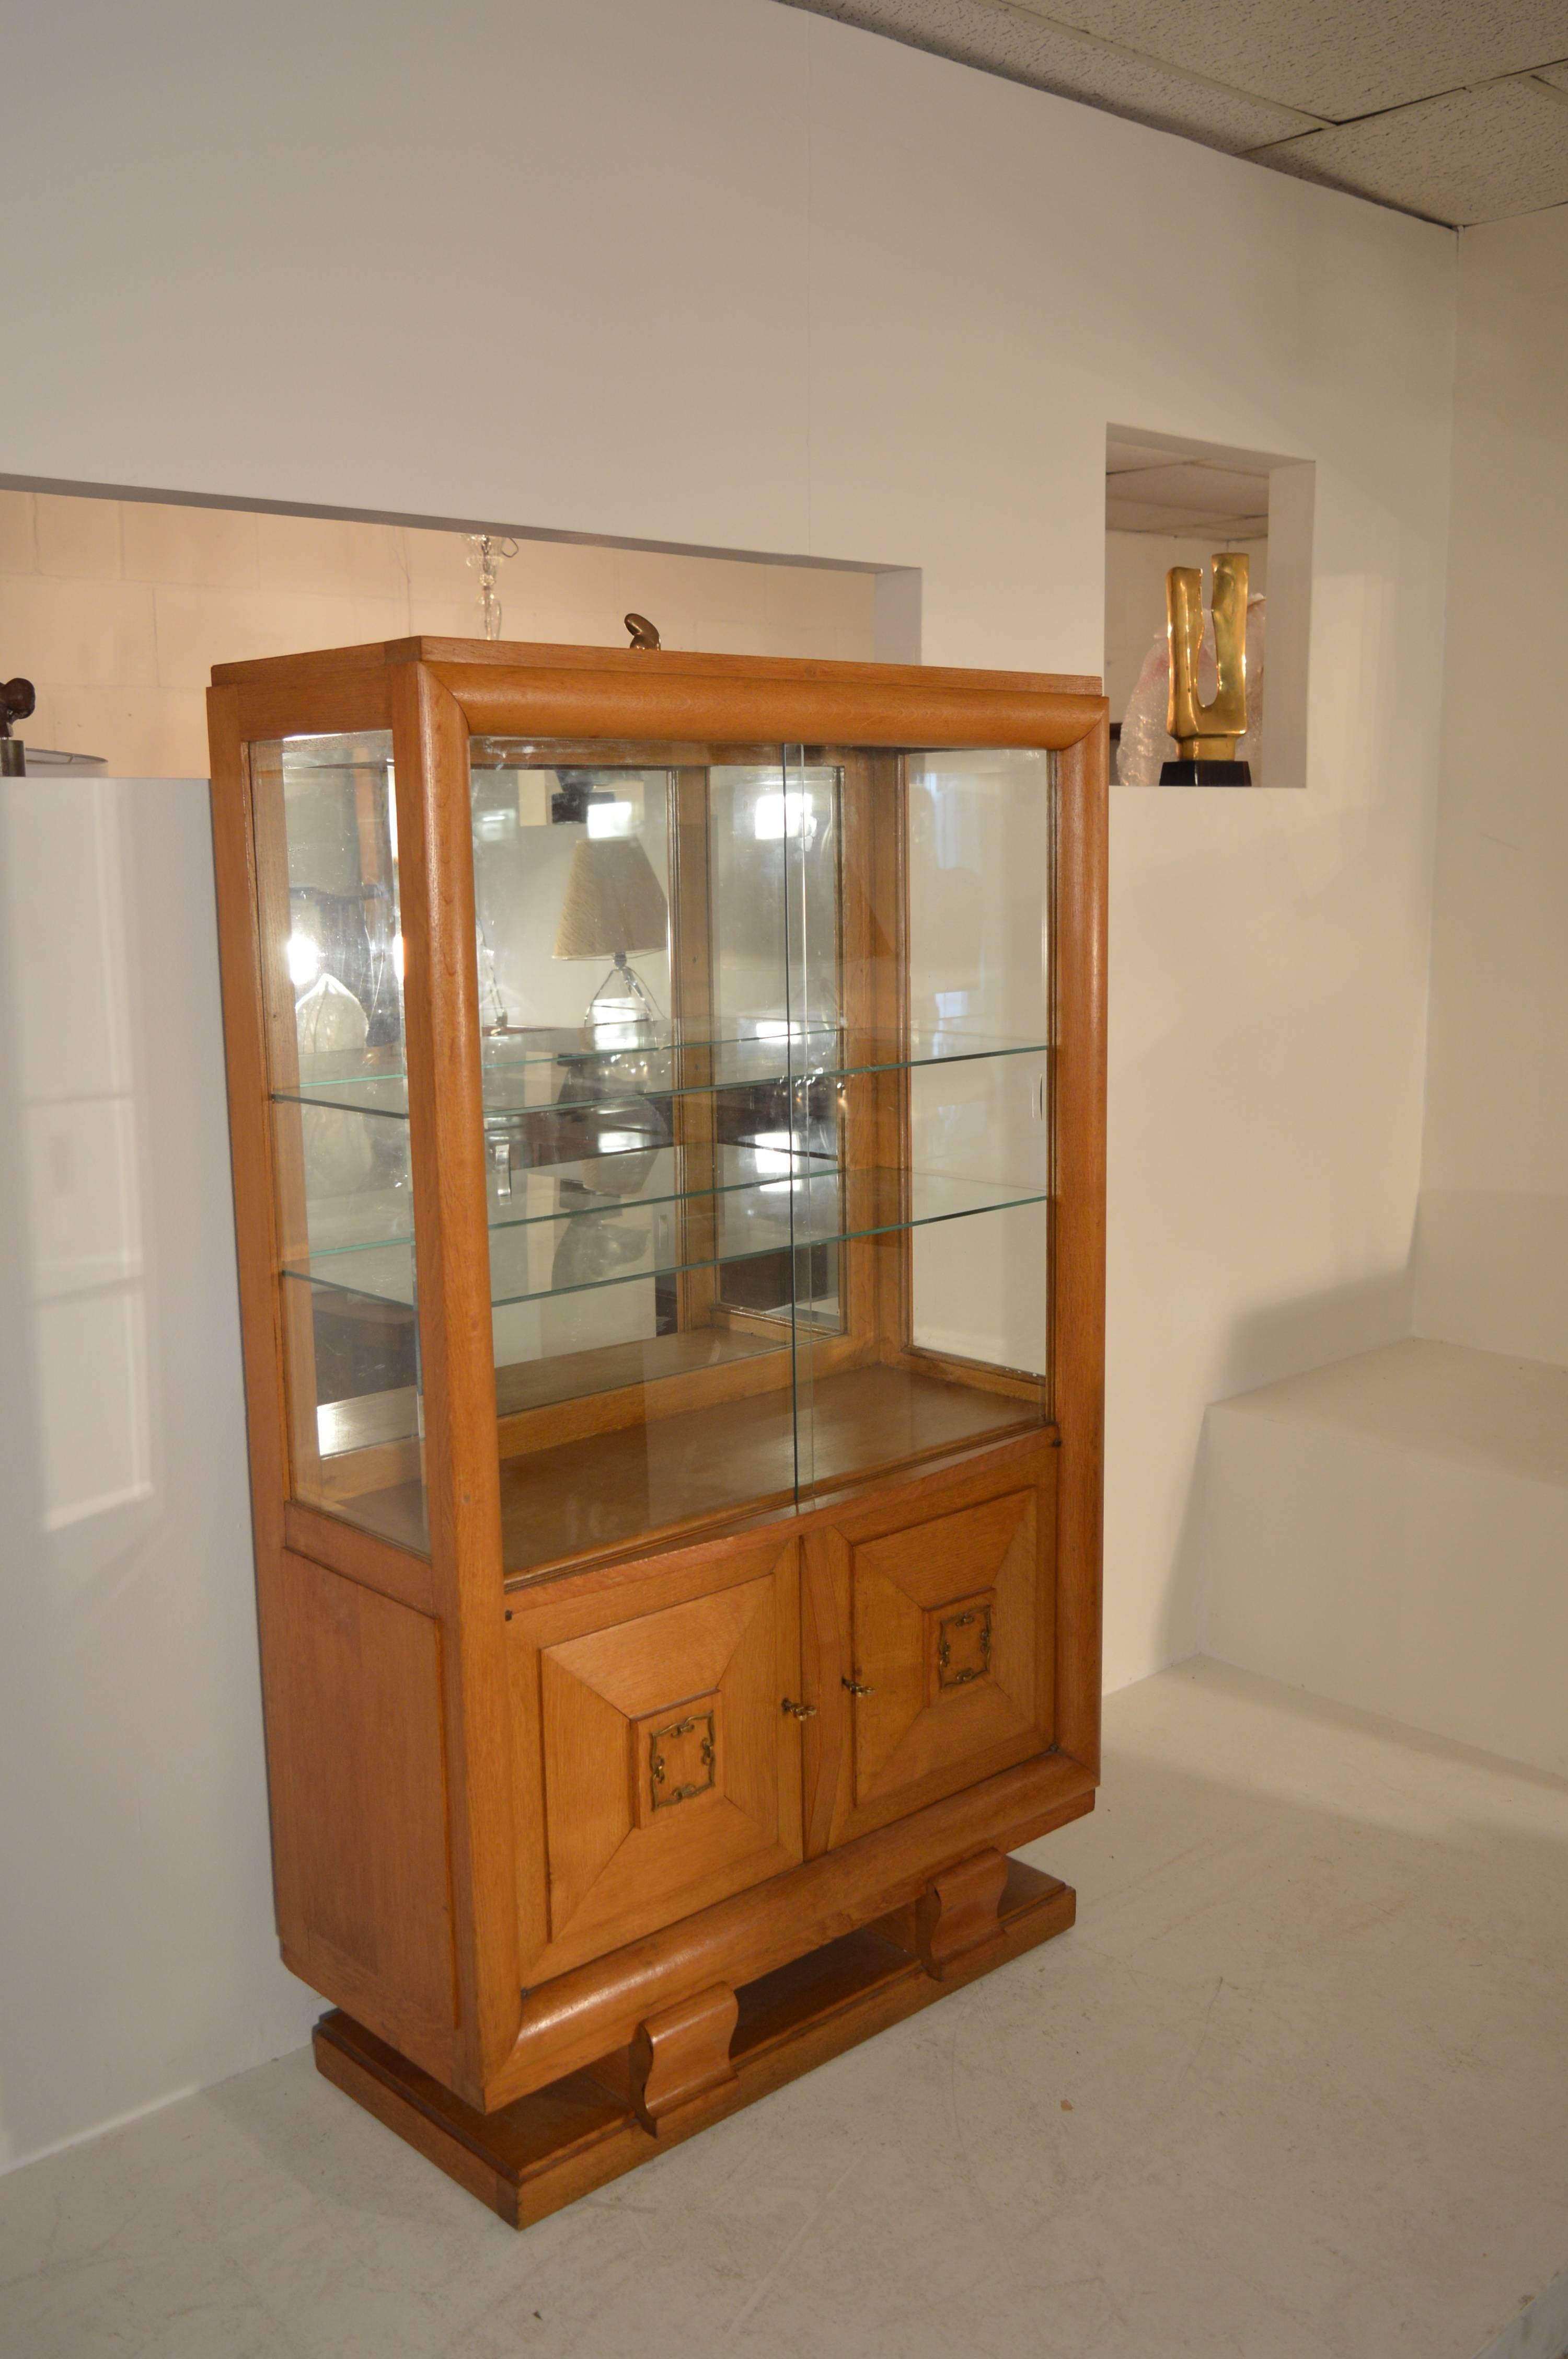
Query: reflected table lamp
(614, 906)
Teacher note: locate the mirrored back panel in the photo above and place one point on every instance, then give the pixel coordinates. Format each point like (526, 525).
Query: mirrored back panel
(767, 1121)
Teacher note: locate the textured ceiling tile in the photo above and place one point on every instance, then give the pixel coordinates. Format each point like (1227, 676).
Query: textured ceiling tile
(1128, 515)
(1336, 57)
(1215, 491)
(1476, 155)
(1556, 75)
(1004, 37)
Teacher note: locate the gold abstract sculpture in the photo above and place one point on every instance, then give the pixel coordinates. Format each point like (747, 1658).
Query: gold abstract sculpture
(1207, 732)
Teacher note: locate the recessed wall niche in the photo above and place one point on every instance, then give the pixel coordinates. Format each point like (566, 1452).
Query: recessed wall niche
(117, 608)
(1171, 501)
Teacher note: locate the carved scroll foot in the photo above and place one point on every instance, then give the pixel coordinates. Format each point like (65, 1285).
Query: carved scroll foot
(682, 2053)
(957, 1913)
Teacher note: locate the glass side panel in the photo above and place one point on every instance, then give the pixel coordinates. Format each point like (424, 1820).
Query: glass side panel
(331, 952)
(981, 900)
(933, 1333)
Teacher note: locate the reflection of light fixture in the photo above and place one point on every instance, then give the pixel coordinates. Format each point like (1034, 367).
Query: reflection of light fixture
(776, 816)
(775, 1152)
(304, 958)
(609, 819)
(782, 1151)
(821, 1031)
(614, 904)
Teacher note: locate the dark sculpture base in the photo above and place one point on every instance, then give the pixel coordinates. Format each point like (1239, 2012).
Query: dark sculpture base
(1206, 773)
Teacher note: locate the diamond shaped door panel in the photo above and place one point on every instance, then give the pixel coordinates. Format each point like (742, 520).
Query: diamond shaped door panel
(947, 1630)
(658, 1770)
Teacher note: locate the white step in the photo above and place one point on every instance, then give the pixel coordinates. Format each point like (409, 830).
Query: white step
(1391, 1531)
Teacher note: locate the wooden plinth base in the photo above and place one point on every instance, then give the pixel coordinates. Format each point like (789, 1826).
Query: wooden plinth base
(533, 2156)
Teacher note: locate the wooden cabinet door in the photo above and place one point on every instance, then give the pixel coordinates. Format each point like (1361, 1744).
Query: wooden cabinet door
(941, 1607)
(657, 1769)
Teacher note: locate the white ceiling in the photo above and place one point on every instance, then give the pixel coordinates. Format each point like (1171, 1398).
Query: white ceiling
(1454, 109)
(1148, 489)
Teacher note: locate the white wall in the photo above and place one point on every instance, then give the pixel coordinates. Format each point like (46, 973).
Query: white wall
(1391, 1531)
(138, 1955)
(726, 274)
(1492, 1261)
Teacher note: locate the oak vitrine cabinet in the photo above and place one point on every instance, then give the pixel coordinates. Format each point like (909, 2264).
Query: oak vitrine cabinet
(667, 1109)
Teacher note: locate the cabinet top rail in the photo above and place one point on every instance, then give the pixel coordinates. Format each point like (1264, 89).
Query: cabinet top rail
(611, 692)
(521, 655)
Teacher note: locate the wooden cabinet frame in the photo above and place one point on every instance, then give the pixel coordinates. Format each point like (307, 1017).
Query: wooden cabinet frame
(453, 1614)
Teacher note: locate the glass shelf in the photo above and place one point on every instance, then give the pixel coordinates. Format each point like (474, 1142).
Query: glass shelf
(610, 1244)
(666, 1067)
(604, 1187)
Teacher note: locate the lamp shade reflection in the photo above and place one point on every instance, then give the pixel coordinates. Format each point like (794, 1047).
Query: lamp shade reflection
(614, 905)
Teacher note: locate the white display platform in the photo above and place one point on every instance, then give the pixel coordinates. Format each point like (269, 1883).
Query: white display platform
(1391, 1531)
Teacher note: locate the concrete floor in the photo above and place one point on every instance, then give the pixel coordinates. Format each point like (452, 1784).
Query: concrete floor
(1296, 2086)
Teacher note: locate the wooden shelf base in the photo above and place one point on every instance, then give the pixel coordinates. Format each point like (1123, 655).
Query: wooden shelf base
(531, 2158)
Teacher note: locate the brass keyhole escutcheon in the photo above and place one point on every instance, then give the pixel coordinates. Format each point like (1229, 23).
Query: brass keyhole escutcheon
(662, 1795)
(957, 1664)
